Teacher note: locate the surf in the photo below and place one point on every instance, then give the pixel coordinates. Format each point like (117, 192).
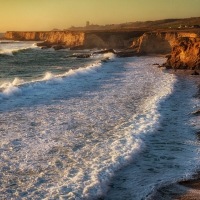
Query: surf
(10, 48)
(85, 127)
(16, 87)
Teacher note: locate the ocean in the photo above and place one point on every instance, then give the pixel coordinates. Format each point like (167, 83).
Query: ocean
(92, 128)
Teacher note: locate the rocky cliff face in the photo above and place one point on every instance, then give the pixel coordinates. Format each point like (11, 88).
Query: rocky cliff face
(185, 54)
(184, 47)
(159, 42)
(80, 40)
(68, 38)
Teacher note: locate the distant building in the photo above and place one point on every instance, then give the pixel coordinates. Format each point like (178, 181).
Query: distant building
(87, 23)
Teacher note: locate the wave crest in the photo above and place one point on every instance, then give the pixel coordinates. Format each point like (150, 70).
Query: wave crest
(9, 90)
(9, 52)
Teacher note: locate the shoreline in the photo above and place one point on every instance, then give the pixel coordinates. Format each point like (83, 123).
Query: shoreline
(188, 189)
(184, 189)
(122, 186)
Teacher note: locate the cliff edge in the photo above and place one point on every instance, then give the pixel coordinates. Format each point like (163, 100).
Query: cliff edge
(154, 43)
(185, 54)
(184, 46)
(80, 39)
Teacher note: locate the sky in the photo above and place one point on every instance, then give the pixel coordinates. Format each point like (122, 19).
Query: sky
(44, 15)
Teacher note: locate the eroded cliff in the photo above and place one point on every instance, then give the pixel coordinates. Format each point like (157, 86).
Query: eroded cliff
(79, 39)
(184, 47)
(68, 38)
(185, 54)
(159, 42)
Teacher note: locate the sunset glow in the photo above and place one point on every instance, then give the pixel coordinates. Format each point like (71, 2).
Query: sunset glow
(21, 15)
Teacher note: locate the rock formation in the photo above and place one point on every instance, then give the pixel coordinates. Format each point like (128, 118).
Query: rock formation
(67, 38)
(155, 43)
(184, 47)
(79, 39)
(185, 54)
(159, 42)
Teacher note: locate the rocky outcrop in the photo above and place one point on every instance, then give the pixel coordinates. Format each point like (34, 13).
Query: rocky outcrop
(185, 54)
(67, 38)
(183, 46)
(156, 43)
(80, 39)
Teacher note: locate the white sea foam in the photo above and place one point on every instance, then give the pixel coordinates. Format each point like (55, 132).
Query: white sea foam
(18, 81)
(9, 41)
(50, 78)
(6, 52)
(8, 48)
(9, 90)
(164, 160)
(79, 132)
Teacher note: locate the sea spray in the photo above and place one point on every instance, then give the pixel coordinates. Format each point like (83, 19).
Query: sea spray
(84, 127)
(68, 124)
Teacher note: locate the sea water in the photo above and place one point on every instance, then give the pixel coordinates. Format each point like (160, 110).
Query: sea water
(75, 128)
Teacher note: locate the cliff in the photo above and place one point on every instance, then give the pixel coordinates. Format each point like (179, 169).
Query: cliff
(159, 42)
(183, 46)
(185, 54)
(80, 39)
(68, 38)
(156, 43)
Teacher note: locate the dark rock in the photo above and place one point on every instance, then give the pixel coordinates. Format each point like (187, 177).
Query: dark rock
(168, 56)
(79, 56)
(167, 66)
(105, 51)
(83, 56)
(197, 112)
(44, 47)
(198, 135)
(195, 73)
(44, 44)
(58, 47)
(123, 54)
(81, 47)
(72, 56)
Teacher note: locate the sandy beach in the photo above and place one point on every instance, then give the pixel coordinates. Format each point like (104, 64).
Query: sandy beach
(185, 190)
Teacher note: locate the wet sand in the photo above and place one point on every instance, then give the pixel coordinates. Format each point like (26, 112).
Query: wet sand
(185, 190)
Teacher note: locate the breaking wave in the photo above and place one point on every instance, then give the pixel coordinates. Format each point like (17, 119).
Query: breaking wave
(17, 86)
(81, 126)
(16, 48)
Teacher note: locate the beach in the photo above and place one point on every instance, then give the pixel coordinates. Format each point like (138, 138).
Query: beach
(187, 189)
(122, 186)
(95, 127)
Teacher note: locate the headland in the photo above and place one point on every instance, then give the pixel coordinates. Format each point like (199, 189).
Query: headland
(181, 46)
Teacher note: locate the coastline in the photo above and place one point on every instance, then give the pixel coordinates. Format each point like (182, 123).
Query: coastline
(183, 190)
(188, 189)
(171, 132)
